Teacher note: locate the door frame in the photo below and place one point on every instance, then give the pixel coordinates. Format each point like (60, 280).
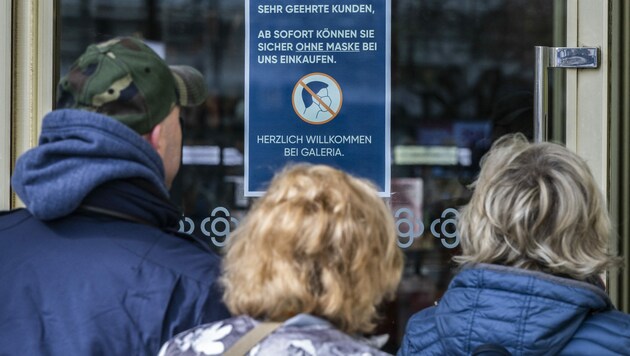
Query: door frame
(5, 103)
(594, 120)
(32, 71)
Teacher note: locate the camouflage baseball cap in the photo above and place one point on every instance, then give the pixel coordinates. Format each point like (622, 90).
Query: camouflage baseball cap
(125, 79)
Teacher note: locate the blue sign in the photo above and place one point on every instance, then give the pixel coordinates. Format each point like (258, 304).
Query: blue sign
(317, 88)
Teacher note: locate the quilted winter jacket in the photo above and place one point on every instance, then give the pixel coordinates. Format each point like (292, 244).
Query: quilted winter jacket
(529, 313)
(95, 266)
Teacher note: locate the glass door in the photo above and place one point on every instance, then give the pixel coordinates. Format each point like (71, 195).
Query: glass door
(462, 75)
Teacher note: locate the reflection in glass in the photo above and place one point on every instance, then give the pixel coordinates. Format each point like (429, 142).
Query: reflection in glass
(462, 75)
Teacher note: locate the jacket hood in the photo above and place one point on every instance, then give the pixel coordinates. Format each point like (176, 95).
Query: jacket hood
(77, 152)
(529, 312)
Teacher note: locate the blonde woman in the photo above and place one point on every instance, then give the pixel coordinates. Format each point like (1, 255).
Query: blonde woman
(317, 254)
(534, 241)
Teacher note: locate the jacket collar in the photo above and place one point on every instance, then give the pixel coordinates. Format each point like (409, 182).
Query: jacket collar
(135, 200)
(518, 280)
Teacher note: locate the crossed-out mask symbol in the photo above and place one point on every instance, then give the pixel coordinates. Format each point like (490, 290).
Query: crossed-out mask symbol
(317, 98)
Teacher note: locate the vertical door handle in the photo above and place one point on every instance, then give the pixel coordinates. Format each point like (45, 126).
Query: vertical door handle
(555, 57)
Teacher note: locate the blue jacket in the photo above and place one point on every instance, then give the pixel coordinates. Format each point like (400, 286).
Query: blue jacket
(95, 265)
(529, 313)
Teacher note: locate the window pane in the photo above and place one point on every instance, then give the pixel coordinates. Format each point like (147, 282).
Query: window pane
(462, 75)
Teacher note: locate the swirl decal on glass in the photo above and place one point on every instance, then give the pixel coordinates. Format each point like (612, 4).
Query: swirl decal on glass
(443, 234)
(414, 227)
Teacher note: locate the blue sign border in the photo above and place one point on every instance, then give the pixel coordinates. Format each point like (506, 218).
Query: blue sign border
(384, 184)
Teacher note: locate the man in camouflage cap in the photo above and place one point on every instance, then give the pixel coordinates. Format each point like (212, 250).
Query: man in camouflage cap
(94, 264)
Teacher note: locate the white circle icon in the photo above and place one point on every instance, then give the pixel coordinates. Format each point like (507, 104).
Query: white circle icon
(317, 98)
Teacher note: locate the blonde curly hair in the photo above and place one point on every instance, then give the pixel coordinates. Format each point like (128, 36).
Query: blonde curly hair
(537, 207)
(320, 242)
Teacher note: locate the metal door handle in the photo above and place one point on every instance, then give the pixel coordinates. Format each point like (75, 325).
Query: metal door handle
(555, 57)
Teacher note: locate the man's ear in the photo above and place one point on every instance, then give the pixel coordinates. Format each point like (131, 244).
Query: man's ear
(153, 136)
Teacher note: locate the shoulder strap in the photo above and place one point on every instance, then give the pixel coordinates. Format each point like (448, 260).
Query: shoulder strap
(115, 214)
(249, 340)
(112, 213)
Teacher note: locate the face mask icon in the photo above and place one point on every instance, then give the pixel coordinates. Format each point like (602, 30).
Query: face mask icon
(316, 105)
(317, 98)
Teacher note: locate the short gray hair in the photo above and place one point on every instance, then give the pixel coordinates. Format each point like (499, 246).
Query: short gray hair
(536, 206)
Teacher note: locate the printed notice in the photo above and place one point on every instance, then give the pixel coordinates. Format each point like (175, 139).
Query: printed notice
(317, 88)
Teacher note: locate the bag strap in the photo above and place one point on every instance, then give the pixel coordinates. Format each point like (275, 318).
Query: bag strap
(249, 340)
(118, 215)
